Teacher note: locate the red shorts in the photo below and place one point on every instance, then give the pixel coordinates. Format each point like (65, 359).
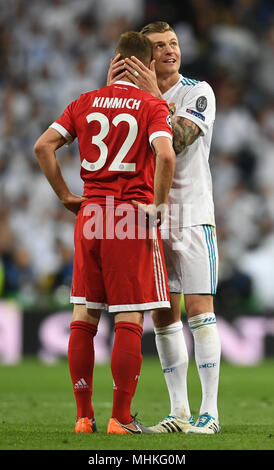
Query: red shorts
(118, 262)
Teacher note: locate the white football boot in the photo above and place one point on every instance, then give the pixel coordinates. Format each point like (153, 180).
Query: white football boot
(206, 424)
(173, 424)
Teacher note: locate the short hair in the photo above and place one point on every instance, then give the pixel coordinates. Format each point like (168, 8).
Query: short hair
(134, 43)
(156, 27)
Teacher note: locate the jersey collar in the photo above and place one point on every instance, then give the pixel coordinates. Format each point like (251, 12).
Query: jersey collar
(122, 82)
(174, 86)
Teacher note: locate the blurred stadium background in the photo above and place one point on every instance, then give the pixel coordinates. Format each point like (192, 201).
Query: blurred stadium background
(53, 50)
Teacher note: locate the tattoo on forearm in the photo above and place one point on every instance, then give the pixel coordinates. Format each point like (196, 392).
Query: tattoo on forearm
(185, 132)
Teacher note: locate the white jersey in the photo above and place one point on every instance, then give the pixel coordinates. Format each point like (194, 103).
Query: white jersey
(190, 199)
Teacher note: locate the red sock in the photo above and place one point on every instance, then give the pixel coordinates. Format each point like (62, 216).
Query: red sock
(125, 366)
(81, 364)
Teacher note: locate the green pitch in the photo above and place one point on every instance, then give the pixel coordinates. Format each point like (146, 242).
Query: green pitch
(38, 410)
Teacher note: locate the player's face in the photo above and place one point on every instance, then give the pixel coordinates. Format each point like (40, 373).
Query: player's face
(166, 52)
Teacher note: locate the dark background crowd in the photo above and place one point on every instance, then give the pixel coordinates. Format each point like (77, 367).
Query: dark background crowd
(53, 50)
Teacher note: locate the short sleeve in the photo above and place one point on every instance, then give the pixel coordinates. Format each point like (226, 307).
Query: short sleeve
(199, 106)
(159, 121)
(65, 123)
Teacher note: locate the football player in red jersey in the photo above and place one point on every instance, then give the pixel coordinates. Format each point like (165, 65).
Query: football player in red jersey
(127, 165)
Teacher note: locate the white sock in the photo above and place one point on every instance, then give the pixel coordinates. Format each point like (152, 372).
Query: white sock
(207, 349)
(173, 355)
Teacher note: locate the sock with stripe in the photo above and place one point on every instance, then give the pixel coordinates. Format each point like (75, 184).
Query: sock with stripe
(81, 364)
(207, 349)
(126, 363)
(173, 355)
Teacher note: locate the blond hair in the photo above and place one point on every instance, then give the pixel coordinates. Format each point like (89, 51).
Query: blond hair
(133, 43)
(156, 27)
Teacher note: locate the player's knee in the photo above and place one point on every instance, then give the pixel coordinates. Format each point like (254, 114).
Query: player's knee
(132, 317)
(164, 317)
(81, 313)
(198, 305)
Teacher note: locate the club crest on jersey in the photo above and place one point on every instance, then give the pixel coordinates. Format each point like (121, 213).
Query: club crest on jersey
(172, 108)
(201, 103)
(168, 120)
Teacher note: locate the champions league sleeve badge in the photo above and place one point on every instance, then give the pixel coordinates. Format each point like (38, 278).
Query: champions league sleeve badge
(168, 120)
(201, 103)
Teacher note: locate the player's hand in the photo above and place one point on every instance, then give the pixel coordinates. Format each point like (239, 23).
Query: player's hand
(116, 70)
(155, 215)
(72, 202)
(146, 79)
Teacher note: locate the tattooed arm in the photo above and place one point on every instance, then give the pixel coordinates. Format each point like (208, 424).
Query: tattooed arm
(185, 132)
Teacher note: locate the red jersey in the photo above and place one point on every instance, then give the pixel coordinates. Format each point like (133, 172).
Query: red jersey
(115, 126)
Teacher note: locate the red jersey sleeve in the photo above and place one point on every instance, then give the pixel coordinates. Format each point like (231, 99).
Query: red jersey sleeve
(65, 123)
(159, 121)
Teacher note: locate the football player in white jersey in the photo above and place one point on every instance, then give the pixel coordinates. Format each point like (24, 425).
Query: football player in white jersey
(188, 234)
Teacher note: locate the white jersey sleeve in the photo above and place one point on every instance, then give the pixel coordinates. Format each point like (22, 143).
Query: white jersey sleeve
(199, 105)
(191, 192)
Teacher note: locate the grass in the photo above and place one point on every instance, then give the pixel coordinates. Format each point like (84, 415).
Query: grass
(38, 410)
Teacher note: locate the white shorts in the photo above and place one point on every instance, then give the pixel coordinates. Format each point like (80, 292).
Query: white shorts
(191, 258)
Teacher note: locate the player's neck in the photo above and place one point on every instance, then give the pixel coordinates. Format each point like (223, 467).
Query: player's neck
(126, 80)
(167, 82)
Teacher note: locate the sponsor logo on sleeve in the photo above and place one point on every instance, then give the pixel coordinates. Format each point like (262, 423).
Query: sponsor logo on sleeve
(195, 113)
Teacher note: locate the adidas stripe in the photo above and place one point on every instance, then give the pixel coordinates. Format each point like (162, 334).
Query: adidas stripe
(158, 269)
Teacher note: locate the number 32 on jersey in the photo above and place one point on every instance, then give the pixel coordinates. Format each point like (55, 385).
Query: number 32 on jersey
(98, 140)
